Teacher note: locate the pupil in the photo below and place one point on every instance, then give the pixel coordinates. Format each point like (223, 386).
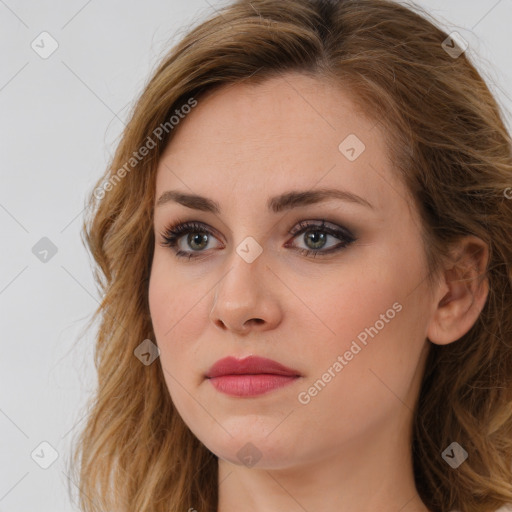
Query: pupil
(198, 238)
(320, 238)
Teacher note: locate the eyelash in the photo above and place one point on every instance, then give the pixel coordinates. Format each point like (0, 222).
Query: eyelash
(172, 234)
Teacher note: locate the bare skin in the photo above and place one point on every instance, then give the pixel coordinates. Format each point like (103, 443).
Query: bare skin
(346, 446)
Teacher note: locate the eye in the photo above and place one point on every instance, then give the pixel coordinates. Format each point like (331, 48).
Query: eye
(315, 237)
(197, 238)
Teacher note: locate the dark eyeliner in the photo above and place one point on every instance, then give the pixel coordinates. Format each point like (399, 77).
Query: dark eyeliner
(343, 234)
(175, 231)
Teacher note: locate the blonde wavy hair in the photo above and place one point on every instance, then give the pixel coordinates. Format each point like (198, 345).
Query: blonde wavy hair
(448, 141)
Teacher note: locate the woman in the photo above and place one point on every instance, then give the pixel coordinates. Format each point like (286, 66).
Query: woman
(304, 246)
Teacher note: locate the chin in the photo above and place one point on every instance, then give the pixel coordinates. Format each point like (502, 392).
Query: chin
(254, 449)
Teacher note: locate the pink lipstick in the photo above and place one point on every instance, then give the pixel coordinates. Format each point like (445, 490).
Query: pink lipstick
(251, 376)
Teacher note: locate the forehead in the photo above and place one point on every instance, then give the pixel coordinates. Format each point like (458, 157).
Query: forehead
(288, 132)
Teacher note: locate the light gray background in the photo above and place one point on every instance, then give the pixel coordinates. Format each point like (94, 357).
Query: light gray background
(60, 119)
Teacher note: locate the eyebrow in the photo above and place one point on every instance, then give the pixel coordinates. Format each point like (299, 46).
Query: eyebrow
(287, 201)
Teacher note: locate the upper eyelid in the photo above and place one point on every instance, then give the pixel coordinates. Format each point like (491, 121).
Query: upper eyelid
(320, 224)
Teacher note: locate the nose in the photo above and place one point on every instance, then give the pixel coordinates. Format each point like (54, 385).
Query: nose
(245, 299)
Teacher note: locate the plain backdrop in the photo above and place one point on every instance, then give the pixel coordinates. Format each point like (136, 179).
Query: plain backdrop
(60, 118)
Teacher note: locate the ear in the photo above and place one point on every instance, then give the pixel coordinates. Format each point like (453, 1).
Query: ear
(462, 292)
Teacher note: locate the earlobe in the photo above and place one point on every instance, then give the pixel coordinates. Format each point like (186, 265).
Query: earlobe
(462, 292)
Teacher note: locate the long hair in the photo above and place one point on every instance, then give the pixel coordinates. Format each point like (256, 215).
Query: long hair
(448, 142)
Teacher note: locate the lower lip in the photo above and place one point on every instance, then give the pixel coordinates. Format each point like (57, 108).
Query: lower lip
(250, 385)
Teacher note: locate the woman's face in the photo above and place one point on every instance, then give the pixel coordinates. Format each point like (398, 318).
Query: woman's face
(350, 320)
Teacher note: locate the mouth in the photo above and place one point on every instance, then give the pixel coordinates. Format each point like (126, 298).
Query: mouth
(251, 376)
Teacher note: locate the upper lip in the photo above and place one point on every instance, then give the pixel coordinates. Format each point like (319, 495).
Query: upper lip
(251, 365)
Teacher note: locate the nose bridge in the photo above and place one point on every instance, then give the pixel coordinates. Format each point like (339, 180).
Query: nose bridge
(243, 294)
(245, 274)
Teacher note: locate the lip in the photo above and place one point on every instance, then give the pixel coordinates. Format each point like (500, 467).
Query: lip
(252, 365)
(250, 376)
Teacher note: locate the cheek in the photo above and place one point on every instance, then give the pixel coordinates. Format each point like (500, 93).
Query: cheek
(368, 315)
(178, 309)
(179, 312)
(350, 301)
(177, 315)
(379, 358)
